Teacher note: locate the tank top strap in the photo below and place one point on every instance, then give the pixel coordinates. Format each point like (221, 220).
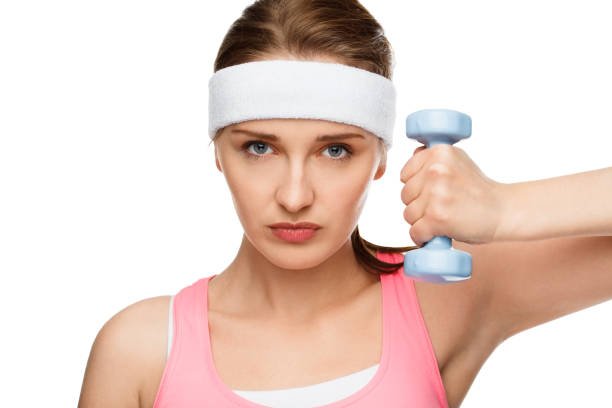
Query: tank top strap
(407, 375)
(186, 379)
(409, 342)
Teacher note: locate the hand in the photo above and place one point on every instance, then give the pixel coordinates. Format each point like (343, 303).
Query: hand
(446, 194)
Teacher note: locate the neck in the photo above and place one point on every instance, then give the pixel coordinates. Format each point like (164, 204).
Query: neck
(252, 286)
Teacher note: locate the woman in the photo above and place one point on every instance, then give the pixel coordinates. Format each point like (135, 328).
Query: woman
(324, 318)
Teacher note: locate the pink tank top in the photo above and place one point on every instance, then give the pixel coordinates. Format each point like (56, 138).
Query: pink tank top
(408, 374)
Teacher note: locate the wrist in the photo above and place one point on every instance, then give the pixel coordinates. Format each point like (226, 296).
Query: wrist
(509, 223)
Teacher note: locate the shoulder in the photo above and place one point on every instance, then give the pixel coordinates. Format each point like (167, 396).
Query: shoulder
(129, 347)
(133, 331)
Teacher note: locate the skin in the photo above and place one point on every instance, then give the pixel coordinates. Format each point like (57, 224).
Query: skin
(290, 180)
(295, 179)
(284, 297)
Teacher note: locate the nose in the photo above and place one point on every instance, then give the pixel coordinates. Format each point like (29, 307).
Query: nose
(295, 190)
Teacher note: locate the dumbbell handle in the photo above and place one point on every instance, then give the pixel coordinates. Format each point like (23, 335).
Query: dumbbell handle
(439, 241)
(437, 261)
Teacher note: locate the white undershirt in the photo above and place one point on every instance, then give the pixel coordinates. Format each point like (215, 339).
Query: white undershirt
(312, 395)
(301, 397)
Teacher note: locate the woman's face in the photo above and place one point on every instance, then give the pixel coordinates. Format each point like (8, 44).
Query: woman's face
(290, 176)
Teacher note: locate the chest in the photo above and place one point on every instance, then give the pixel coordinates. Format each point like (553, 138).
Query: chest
(291, 354)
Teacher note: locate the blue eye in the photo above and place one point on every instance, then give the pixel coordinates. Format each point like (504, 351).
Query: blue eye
(339, 147)
(260, 148)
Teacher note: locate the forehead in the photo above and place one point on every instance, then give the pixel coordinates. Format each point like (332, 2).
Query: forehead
(303, 129)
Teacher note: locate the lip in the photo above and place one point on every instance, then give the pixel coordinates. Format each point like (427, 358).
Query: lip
(299, 225)
(294, 234)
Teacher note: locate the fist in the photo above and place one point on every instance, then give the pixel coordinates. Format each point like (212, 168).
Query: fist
(446, 194)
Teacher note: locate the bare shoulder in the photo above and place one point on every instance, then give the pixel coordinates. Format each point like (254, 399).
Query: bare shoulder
(128, 356)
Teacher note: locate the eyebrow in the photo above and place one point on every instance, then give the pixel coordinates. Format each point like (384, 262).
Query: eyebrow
(320, 138)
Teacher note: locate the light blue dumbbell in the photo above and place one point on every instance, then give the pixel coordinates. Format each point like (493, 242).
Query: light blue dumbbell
(437, 261)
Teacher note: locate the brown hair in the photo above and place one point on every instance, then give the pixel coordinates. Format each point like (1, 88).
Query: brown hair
(342, 29)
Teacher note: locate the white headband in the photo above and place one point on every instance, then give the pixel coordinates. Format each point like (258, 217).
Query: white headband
(302, 89)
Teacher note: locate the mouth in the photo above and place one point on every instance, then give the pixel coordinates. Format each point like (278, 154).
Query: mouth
(299, 225)
(299, 232)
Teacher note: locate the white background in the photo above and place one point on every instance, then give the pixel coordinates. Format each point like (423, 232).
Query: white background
(109, 192)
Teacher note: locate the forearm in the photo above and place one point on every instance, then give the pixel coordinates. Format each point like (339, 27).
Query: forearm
(573, 205)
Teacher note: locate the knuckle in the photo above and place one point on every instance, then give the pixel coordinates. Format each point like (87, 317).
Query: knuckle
(403, 173)
(413, 237)
(408, 216)
(438, 169)
(411, 214)
(439, 193)
(437, 213)
(403, 196)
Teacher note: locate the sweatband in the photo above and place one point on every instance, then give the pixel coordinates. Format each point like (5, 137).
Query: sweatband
(302, 89)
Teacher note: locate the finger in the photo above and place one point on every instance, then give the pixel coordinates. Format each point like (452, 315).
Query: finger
(418, 149)
(413, 187)
(413, 164)
(420, 233)
(416, 195)
(414, 211)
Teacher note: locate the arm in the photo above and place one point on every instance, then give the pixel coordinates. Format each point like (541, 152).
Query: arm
(557, 258)
(124, 354)
(573, 205)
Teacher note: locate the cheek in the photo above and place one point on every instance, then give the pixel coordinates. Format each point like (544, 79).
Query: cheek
(250, 194)
(345, 197)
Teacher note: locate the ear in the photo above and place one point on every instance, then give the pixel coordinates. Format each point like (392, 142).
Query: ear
(382, 166)
(380, 171)
(217, 159)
